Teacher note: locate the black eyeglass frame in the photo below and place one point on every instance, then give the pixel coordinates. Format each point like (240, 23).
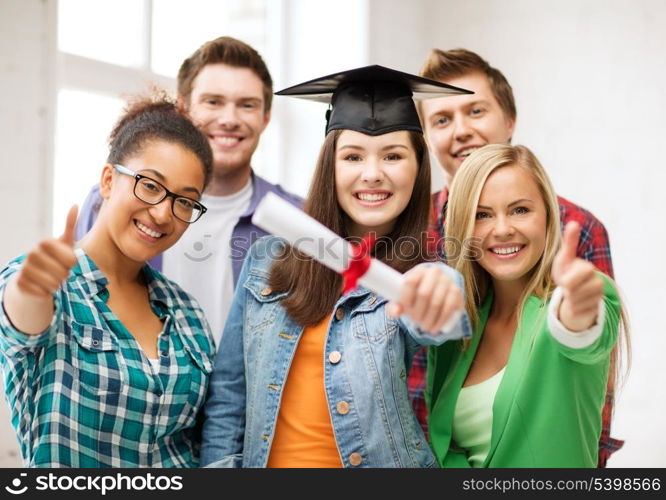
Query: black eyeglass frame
(167, 194)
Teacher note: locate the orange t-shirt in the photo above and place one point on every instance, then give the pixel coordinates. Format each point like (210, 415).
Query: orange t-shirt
(303, 432)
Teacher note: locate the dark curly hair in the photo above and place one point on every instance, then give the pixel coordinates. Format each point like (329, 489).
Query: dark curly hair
(156, 117)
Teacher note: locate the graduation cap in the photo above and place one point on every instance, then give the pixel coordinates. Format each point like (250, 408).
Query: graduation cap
(373, 100)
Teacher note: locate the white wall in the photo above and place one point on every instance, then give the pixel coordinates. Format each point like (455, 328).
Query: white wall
(589, 79)
(27, 38)
(27, 30)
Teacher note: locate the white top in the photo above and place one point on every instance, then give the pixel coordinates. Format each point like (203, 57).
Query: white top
(200, 262)
(473, 418)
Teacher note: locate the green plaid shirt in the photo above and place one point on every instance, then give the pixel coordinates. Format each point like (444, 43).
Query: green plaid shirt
(83, 393)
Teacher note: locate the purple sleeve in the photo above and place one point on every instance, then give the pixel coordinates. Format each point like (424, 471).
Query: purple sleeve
(88, 212)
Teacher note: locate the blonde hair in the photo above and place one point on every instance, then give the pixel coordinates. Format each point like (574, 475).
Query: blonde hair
(461, 218)
(461, 210)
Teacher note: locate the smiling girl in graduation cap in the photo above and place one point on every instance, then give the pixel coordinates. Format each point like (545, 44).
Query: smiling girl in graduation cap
(308, 376)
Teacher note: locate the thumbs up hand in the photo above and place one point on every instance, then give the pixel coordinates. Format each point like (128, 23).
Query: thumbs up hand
(582, 287)
(67, 236)
(47, 265)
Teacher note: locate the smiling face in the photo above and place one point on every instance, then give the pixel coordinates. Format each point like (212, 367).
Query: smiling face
(227, 104)
(141, 231)
(374, 179)
(511, 225)
(456, 126)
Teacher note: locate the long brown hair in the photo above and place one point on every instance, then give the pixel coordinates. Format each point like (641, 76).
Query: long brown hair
(315, 288)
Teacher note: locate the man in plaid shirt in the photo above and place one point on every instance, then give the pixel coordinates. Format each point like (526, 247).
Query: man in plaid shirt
(454, 128)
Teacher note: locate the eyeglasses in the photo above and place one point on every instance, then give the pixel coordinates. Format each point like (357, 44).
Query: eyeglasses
(152, 192)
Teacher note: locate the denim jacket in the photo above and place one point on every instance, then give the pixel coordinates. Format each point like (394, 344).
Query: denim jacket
(255, 355)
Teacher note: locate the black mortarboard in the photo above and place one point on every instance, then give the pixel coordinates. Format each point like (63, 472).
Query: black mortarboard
(373, 100)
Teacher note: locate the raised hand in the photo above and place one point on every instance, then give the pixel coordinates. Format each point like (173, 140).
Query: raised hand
(429, 297)
(582, 287)
(47, 265)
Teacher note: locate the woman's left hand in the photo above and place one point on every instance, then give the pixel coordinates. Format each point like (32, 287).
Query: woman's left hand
(429, 297)
(582, 286)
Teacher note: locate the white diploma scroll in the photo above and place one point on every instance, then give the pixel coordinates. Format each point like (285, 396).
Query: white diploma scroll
(279, 217)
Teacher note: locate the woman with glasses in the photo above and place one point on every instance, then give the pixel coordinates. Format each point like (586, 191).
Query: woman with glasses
(106, 362)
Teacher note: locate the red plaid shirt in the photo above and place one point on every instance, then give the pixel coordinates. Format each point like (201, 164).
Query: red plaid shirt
(593, 247)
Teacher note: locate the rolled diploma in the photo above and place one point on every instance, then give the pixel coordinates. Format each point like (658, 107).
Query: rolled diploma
(279, 217)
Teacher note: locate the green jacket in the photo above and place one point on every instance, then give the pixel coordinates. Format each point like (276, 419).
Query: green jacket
(547, 410)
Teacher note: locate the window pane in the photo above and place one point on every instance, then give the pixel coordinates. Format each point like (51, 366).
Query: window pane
(80, 147)
(179, 28)
(110, 31)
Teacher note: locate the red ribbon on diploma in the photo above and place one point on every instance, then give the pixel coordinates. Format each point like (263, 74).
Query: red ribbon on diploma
(359, 263)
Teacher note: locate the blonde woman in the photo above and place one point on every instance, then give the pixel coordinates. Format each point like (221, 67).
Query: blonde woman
(528, 389)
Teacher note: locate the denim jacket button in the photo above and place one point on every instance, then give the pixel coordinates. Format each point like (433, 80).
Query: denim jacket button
(266, 292)
(339, 314)
(342, 407)
(335, 357)
(355, 459)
